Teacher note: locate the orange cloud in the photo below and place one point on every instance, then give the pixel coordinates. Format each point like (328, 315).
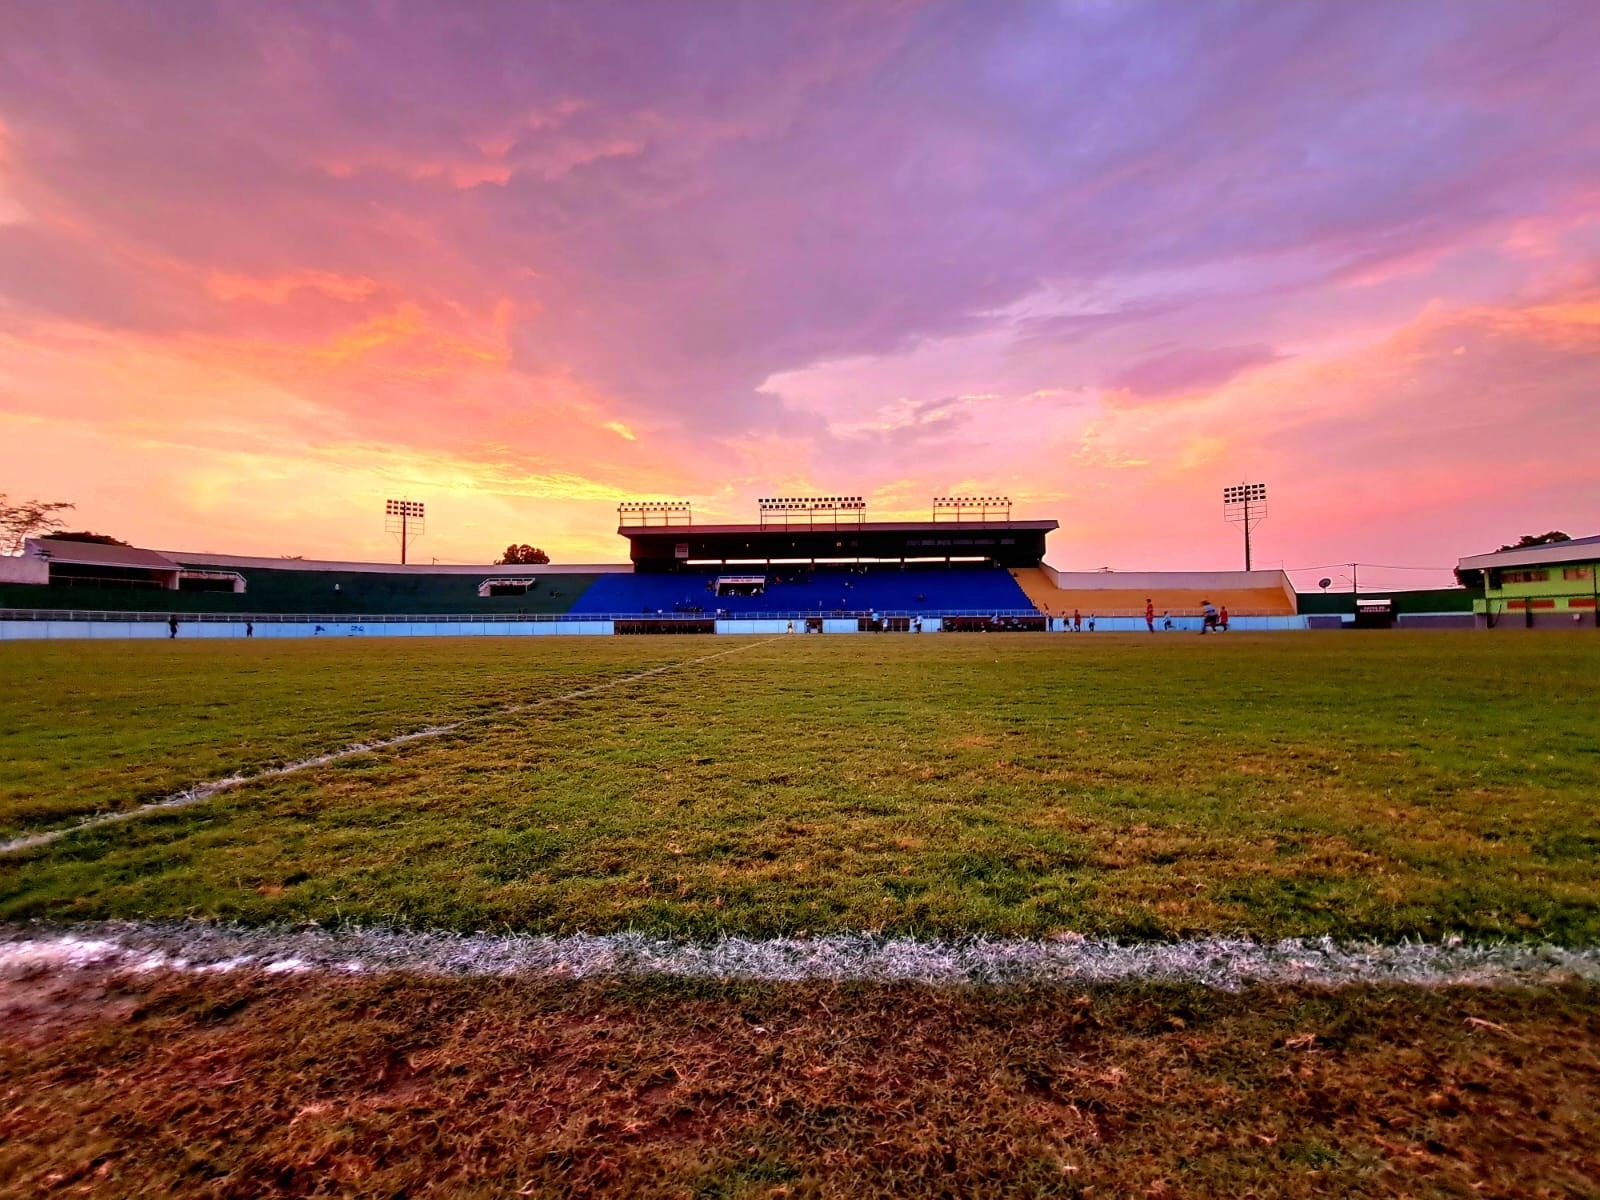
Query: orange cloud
(277, 289)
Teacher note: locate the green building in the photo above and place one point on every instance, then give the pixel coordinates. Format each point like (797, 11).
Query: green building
(1556, 586)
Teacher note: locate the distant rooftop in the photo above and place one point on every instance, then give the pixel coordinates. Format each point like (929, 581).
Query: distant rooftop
(1584, 549)
(94, 554)
(266, 563)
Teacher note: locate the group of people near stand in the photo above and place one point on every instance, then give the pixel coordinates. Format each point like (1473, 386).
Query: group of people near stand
(1212, 620)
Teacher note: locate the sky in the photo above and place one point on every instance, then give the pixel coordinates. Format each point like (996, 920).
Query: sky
(263, 266)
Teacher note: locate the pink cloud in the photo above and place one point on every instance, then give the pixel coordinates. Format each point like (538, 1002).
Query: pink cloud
(1189, 370)
(705, 249)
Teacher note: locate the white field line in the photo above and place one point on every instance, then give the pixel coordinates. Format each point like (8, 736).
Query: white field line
(31, 951)
(204, 791)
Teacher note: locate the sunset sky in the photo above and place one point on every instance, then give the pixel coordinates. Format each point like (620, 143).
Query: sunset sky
(264, 265)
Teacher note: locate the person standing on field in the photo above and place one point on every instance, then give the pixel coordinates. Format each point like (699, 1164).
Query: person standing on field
(1222, 619)
(1149, 615)
(172, 627)
(1209, 622)
(1077, 621)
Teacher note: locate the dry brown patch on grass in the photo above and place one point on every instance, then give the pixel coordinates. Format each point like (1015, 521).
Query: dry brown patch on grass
(242, 1085)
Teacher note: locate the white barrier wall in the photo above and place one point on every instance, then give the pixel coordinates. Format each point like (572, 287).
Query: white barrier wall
(37, 630)
(34, 630)
(734, 625)
(1179, 624)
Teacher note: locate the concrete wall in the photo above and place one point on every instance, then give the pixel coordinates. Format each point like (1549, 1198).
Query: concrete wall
(1438, 620)
(1180, 624)
(99, 630)
(1454, 620)
(29, 630)
(24, 568)
(734, 625)
(1541, 620)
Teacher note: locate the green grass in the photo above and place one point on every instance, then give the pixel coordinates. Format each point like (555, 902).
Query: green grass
(1380, 785)
(90, 727)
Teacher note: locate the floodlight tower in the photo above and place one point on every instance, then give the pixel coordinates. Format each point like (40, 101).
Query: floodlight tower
(406, 518)
(1245, 502)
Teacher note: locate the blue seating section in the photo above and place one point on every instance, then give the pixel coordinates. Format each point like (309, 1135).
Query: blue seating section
(969, 590)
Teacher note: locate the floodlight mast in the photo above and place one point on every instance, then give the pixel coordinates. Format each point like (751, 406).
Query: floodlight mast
(962, 508)
(654, 512)
(407, 518)
(787, 512)
(1245, 502)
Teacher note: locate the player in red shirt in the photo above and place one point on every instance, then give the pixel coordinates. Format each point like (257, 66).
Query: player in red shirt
(1149, 615)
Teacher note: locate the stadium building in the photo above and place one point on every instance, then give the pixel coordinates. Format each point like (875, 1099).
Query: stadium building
(813, 564)
(1556, 586)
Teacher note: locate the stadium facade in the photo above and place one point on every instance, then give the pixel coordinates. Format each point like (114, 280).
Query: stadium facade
(810, 566)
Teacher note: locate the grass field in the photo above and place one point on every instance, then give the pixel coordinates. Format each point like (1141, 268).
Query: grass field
(1381, 786)
(1376, 785)
(245, 1086)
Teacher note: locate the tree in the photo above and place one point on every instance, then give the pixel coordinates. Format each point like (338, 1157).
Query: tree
(523, 555)
(1544, 539)
(99, 539)
(23, 519)
(1474, 579)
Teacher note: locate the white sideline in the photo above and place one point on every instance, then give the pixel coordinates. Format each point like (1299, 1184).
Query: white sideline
(204, 791)
(1229, 964)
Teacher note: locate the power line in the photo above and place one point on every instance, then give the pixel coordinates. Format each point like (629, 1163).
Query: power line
(1376, 566)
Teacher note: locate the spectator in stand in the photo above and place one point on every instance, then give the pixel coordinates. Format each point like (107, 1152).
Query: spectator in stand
(1149, 615)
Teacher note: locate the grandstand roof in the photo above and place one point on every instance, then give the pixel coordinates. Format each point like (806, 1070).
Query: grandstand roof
(843, 527)
(1585, 549)
(265, 563)
(95, 554)
(673, 547)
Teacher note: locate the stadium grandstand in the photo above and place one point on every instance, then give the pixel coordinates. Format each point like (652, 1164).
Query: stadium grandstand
(814, 555)
(811, 564)
(1125, 593)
